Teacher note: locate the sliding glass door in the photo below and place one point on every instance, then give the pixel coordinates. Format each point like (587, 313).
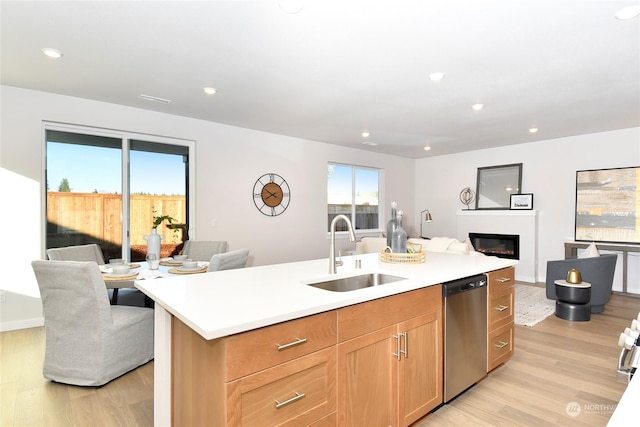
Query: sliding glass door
(107, 187)
(158, 182)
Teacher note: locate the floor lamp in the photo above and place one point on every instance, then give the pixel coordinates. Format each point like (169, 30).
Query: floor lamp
(427, 218)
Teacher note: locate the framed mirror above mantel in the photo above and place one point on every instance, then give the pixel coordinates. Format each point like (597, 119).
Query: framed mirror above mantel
(496, 184)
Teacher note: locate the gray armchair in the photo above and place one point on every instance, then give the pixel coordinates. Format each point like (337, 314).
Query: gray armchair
(229, 260)
(88, 341)
(597, 270)
(203, 250)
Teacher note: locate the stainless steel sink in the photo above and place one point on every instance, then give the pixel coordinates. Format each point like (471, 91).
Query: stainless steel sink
(347, 284)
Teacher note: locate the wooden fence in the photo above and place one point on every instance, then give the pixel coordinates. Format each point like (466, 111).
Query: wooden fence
(98, 216)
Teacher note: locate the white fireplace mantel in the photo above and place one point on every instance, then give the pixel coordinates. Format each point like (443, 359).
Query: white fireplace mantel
(521, 222)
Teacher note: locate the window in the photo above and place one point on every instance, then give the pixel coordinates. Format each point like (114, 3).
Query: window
(354, 192)
(105, 187)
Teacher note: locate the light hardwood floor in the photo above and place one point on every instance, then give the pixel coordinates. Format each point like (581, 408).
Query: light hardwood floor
(556, 362)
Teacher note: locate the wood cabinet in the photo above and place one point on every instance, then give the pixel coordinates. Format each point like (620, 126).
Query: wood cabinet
(390, 359)
(279, 375)
(377, 363)
(500, 313)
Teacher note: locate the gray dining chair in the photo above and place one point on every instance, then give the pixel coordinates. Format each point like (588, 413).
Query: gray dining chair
(90, 252)
(203, 250)
(229, 260)
(88, 341)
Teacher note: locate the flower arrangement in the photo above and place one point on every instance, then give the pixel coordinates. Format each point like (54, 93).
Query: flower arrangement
(157, 220)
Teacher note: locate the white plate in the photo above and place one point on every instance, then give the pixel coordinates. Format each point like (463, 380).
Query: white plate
(181, 268)
(119, 275)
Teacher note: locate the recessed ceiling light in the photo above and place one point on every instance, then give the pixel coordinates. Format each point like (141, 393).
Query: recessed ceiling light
(628, 12)
(477, 107)
(365, 134)
(154, 99)
(52, 53)
(533, 130)
(373, 144)
(436, 77)
(209, 90)
(291, 6)
(427, 148)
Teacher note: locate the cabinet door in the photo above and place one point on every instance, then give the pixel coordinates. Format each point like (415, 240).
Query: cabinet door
(368, 378)
(501, 278)
(500, 346)
(294, 393)
(420, 376)
(500, 307)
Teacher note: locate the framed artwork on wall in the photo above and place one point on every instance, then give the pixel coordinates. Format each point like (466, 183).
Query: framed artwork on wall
(496, 183)
(607, 203)
(521, 201)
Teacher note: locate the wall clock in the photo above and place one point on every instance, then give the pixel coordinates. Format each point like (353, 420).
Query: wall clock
(271, 194)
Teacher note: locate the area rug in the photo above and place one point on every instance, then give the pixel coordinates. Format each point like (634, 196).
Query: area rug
(532, 305)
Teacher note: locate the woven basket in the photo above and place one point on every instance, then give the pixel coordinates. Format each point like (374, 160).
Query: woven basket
(411, 258)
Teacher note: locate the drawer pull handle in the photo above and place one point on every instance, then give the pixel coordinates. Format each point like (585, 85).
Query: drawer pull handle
(298, 396)
(502, 307)
(504, 279)
(502, 344)
(292, 344)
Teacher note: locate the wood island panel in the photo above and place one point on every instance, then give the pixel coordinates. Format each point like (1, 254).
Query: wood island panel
(359, 319)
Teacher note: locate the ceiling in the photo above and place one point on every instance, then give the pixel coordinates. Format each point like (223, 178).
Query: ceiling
(338, 68)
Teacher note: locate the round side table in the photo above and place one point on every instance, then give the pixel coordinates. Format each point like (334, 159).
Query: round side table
(573, 300)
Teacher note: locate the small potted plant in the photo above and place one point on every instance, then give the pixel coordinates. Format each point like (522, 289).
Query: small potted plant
(157, 220)
(153, 239)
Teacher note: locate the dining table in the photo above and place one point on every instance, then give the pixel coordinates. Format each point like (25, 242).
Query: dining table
(141, 271)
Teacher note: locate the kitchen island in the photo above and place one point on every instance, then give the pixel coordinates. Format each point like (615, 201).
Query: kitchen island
(227, 303)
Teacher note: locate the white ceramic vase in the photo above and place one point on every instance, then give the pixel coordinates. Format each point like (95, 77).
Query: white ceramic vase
(153, 242)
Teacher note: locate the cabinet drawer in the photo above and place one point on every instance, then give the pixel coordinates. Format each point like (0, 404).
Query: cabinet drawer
(501, 279)
(499, 346)
(299, 392)
(262, 348)
(360, 319)
(500, 308)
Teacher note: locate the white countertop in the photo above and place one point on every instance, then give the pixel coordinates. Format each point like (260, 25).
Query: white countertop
(222, 303)
(627, 409)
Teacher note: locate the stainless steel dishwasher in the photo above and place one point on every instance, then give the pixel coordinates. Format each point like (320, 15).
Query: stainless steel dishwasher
(465, 334)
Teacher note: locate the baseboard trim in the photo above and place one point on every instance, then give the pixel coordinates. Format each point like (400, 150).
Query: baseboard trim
(22, 324)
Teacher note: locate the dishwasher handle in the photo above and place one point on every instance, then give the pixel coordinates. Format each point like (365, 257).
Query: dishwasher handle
(463, 285)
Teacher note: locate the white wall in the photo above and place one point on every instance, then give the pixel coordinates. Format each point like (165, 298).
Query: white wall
(230, 159)
(549, 172)
(228, 162)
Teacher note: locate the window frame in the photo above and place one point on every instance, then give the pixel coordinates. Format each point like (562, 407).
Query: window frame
(125, 137)
(352, 216)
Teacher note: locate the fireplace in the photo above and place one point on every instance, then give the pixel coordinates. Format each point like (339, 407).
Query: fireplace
(500, 245)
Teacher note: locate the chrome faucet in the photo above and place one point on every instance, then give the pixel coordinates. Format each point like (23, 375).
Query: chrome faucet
(332, 248)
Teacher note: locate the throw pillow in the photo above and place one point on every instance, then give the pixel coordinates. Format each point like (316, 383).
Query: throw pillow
(470, 247)
(439, 244)
(458, 248)
(590, 252)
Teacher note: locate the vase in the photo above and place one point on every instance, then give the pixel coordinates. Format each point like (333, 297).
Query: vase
(153, 242)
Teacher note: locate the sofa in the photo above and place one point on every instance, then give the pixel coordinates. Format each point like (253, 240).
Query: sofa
(435, 244)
